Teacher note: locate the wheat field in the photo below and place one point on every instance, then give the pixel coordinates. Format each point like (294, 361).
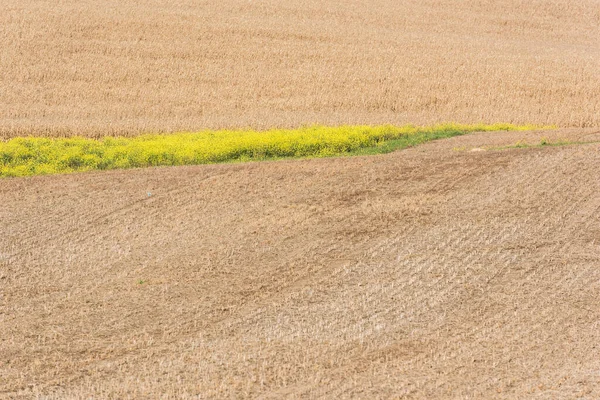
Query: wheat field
(461, 268)
(127, 67)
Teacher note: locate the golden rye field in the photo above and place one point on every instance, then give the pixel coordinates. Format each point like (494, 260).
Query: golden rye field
(40, 156)
(127, 67)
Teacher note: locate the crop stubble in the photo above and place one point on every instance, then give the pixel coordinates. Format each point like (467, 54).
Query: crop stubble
(434, 272)
(124, 67)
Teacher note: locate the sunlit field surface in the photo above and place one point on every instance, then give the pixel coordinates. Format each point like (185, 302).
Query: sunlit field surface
(459, 268)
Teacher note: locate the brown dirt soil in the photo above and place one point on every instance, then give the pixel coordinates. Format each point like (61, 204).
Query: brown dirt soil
(434, 272)
(123, 66)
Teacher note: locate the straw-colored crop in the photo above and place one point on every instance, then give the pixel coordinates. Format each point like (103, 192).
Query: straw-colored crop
(35, 156)
(115, 67)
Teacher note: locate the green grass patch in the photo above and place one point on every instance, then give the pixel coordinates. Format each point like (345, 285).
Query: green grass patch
(544, 142)
(40, 156)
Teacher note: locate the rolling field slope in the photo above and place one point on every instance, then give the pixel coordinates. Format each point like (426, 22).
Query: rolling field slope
(463, 268)
(433, 272)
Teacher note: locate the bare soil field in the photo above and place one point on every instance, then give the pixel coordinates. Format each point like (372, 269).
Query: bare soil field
(123, 67)
(441, 271)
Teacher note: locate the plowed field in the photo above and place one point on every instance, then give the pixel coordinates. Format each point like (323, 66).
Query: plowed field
(451, 270)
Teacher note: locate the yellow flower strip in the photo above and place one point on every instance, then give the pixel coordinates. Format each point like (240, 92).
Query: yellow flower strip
(38, 156)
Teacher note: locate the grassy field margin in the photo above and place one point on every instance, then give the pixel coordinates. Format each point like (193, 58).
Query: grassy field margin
(40, 156)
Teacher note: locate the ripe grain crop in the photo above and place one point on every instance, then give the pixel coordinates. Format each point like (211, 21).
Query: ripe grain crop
(40, 156)
(127, 67)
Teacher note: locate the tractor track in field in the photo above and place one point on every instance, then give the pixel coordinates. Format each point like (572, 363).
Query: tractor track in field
(433, 272)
